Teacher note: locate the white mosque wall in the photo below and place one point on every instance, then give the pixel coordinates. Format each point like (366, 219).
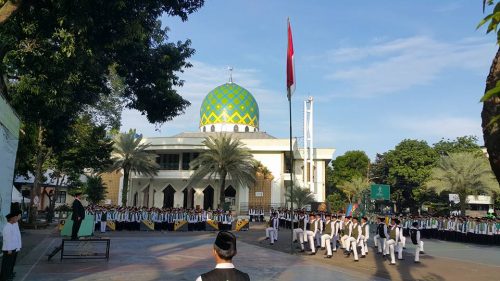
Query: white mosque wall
(227, 127)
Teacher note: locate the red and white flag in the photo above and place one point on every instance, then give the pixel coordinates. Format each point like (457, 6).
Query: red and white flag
(290, 65)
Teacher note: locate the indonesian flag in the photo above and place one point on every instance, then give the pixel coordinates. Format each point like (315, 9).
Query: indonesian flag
(290, 65)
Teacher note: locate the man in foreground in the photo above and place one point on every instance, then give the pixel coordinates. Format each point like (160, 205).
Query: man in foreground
(224, 250)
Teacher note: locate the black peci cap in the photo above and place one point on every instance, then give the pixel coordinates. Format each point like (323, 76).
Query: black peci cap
(9, 216)
(225, 241)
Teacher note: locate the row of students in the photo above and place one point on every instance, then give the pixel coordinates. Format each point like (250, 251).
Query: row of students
(130, 218)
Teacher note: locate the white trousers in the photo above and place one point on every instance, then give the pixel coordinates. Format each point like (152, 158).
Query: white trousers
(389, 247)
(310, 237)
(418, 249)
(400, 250)
(381, 245)
(343, 241)
(297, 232)
(364, 246)
(268, 230)
(103, 226)
(403, 241)
(326, 241)
(353, 244)
(273, 233)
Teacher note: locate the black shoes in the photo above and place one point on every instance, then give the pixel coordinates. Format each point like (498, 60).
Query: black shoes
(328, 257)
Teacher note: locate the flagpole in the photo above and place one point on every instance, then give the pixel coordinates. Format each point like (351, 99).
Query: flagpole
(291, 170)
(290, 82)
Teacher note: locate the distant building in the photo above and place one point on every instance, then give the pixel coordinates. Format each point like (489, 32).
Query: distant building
(478, 205)
(231, 109)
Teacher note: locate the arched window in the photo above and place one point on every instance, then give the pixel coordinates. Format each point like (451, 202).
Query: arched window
(212, 128)
(247, 129)
(204, 129)
(235, 128)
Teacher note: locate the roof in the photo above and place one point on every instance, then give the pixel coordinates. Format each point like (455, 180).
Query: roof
(229, 104)
(240, 135)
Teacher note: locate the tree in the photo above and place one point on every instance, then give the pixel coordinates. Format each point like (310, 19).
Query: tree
(409, 167)
(88, 148)
(379, 169)
(301, 196)
(130, 154)
(463, 173)
(354, 188)
(95, 189)
(337, 202)
(460, 144)
(491, 99)
(351, 164)
(56, 61)
(225, 157)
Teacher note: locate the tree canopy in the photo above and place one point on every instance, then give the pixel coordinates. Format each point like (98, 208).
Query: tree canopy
(349, 165)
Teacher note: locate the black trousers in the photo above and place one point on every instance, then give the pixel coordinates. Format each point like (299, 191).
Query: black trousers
(76, 227)
(7, 265)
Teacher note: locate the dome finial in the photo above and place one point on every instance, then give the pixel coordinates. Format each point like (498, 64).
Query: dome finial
(230, 68)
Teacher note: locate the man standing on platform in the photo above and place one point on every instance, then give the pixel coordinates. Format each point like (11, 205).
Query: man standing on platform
(77, 216)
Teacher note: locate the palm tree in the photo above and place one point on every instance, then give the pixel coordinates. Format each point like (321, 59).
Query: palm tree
(224, 157)
(464, 173)
(354, 188)
(131, 155)
(301, 196)
(95, 189)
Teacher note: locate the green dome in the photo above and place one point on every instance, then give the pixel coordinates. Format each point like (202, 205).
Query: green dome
(229, 103)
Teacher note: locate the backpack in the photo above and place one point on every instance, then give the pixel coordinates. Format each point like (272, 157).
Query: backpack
(380, 230)
(413, 235)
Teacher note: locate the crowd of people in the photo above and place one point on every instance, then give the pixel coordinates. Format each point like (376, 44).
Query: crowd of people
(164, 219)
(332, 231)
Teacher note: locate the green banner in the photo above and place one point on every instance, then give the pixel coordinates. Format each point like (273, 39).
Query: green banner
(86, 228)
(380, 192)
(8, 118)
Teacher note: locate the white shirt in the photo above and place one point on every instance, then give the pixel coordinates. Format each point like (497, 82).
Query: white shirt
(219, 265)
(11, 237)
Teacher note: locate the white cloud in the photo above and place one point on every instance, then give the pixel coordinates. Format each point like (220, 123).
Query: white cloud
(397, 65)
(438, 126)
(199, 81)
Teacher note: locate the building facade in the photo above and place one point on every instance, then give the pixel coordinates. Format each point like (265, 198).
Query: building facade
(228, 109)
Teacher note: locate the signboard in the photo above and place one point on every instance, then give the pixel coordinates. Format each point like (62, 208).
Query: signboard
(259, 194)
(86, 228)
(380, 192)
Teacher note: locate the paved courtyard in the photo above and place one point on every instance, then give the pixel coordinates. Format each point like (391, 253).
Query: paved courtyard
(183, 256)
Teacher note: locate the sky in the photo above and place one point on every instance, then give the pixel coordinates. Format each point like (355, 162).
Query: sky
(379, 71)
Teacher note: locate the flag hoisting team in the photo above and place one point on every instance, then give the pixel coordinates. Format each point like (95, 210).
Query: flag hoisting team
(330, 232)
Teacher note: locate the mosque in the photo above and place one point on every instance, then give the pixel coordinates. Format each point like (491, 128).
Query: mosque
(231, 109)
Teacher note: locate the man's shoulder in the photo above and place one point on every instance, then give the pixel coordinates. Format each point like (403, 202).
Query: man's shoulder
(212, 274)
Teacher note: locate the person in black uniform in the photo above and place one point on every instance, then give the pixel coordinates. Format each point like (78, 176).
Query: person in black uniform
(77, 216)
(224, 250)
